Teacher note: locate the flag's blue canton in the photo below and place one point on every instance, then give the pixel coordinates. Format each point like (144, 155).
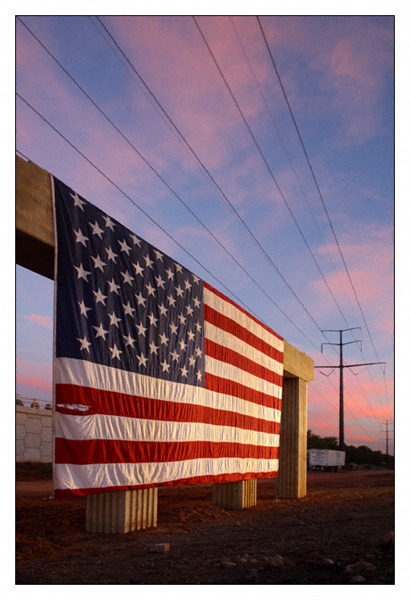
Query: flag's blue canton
(121, 302)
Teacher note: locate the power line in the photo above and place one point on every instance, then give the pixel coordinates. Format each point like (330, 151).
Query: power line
(347, 393)
(321, 198)
(165, 182)
(356, 375)
(317, 186)
(213, 180)
(290, 163)
(149, 165)
(267, 165)
(141, 209)
(353, 421)
(375, 418)
(274, 179)
(120, 55)
(22, 155)
(130, 199)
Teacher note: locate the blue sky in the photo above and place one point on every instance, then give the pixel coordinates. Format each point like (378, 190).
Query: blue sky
(256, 221)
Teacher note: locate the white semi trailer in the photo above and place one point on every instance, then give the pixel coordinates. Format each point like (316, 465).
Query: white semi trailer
(329, 460)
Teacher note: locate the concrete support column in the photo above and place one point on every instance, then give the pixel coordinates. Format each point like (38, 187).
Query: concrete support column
(291, 481)
(235, 494)
(121, 511)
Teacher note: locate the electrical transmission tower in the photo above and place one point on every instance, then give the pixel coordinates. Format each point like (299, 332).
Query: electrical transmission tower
(342, 366)
(387, 441)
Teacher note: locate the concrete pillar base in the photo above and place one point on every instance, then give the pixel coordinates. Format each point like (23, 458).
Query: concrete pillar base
(122, 511)
(235, 494)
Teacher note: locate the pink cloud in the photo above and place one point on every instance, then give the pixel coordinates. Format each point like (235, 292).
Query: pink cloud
(350, 56)
(33, 376)
(370, 264)
(44, 321)
(188, 84)
(365, 403)
(31, 382)
(370, 383)
(323, 427)
(33, 366)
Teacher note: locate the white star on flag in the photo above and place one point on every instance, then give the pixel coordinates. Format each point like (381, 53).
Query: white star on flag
(97, 230)
(77, 201)
(79, 237)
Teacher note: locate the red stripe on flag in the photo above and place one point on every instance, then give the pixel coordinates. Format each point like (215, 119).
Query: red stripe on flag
(118, 404)
(245, 312)
(235, 359)
(230, 326)
(88, 452)
(232, 388)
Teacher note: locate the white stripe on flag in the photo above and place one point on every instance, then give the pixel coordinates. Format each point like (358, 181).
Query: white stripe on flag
(120, 474)
(108, 427)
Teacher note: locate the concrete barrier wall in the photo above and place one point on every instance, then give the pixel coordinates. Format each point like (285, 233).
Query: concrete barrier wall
(34, 435)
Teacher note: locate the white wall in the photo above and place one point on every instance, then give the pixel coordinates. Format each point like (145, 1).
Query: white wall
(34, 435)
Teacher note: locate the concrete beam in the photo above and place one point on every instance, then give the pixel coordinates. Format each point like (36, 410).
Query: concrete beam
(35, 244)
(297, 364)
(34, 219)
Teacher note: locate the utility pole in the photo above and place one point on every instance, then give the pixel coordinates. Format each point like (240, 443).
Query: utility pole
(387, 441)
(341, 366)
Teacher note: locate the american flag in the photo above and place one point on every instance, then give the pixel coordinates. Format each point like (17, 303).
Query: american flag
(159, 378)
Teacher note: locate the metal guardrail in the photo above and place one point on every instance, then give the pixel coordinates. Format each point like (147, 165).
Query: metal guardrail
(33, 403)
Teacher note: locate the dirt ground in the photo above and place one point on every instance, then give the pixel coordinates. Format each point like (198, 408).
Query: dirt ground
(340, 533)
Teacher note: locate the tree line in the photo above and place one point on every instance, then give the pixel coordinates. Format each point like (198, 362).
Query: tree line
(361, 455)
